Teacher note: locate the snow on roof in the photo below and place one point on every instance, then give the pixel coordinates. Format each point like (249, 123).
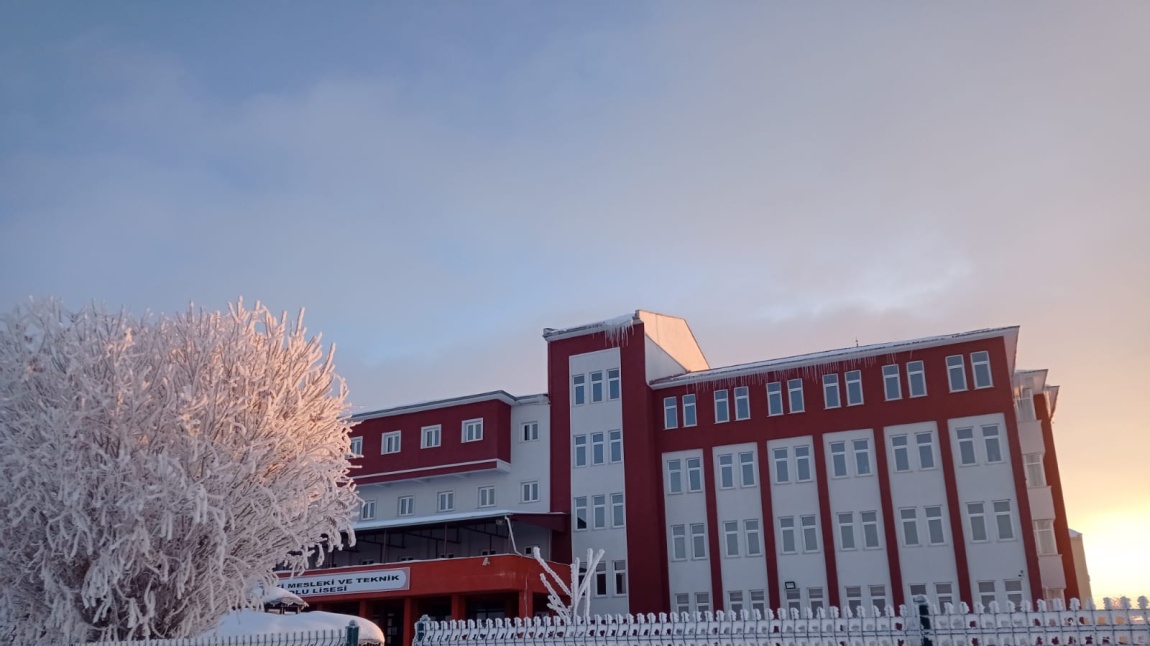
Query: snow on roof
(241, 623)
(278, 595)
(1074, 534)
(826, 356)
(617, 323)
(440, 519)
(497, 395)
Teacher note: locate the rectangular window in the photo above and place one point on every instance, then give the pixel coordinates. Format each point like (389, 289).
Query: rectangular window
(1044, 537)
(599, 512)
(580, 450)
(1003, 520)
(615, 446)
(986, 593)
(722, 410)
(753, 539)
(862, 456)
(839, 459)
(774, 398)
(613, 387)
(991, 441)
(917, 590)
(916, 379)
(934, 526)
(698, 541)
(1013, 588)
(694, 474)
(618, 511)
(815, 599)
(446, 501)
(878, 597)
(703, 602)
(670, 412)
(406, 505)
(678, 542)
(530, 431)
(726, 471)
(965, 446)
(787, 534)
(367, 511)
(810, 533)
(802, 463)
(795, 395)
(782, 465)
(1035, 472)
(597, 386)
(890, 382)
(925, 442)
(619, 569)
(390, 443)
(601, 579)
(735, 601)
(854, 598)
(581, 513)
(598, 448)
(944, 592)
(909, 518)
(431, 437)
(901, 453)
(831, 391)
(742, 403)
(578, 390)
(731, 537)
(747, 469)
(976, 517)
(689, 418)
(794, 598)
(980, 366)
(846, 530)
(487, 496)
(759, 602)
(356, 447)
(854, 388)
(869, 521)
(956, 373)
(473, 430)
(682, 603)
(530, 491)
(674, 476)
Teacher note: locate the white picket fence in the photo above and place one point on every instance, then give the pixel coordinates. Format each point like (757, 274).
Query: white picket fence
(1040, 625)
(306, 638)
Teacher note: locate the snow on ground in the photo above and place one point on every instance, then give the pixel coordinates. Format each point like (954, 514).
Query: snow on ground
(255, 622)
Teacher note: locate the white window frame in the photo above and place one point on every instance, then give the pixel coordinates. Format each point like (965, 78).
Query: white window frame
(429, 433)
(934, 519)
(831, 394)
(809, 523)
(752, 537)
(846, 522)
(786, 526)
(976, 511)
(580, 513)
(472, 430)
(723, 405)
(908, 521)
(747, 475)
(870, 519)
(674, 474)
(964, 443)
(618, 510)
(915, 369)
(956, 373)
(861, 453)
(698, 541)
(977, 359)
(742, 403)
(900, 453)
(356, 447)
(529, 431)
(803, 463)
(367, 510)
(391, 442)
(781, 464)
(405, 506)
(838, 449)
(615, 446)
(795, 387)
(1045, 540)
(599, 511)
(854, 377)
(614, 384)
(580, 452)
(598, 448)
(992, 436)
(928, 447)
(999, 515)
(529, 491)
(619, 577)
(678, 539)
(774, 399)
(731, 539)
(692, 418)
(445, 501)
(487, 496)
(578, 390)
(726, 472)
(694, 474)
(1035, 470)
(670, 413)
(597, 387)
(891, 382)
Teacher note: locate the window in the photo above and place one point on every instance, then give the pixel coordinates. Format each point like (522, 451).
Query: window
(487, 496)
(759, 602)
(674, 476)
(839, 459)
(599, 511)
(581, 513)
(890, 382)
(619, 570)
(601, 579)
(615, 446)
(618, 512)
(916, 379)
(993, 445)
(473, 430)
(356, 447)
(802, 463)
(580, 450)
(956, 372)
(980, 366)
(854, 598)
(878, 597)
(862, 457)
(787, 534)
(598, 448)
(613, 389)
(917, 590)
(703, 602)
(901, 453)
(596, 386)
(578, 390)
(965, 446)
(909, 519)
(831, 391)
(810, 533)
(726, 471)
(670, 412)
(735, 601)
(682, 602)
(751, 535)
(678, 542)
(530, 431)
(747, 469)
(854, 388)
(689, 418)
(976, 516)
(934, 528)
(795, 395)
(1044, 537)
(390, 443)
(986, 592)
(431, 437)
(869, 521)
(367, 511)
(794, 599)
(529, 491)
(1035, 473)
(782, 465)
(406, 505)
(925, 442)
(846, 530)
(698, 541)
(694, 474)
(1013, 589)
(1003, 521)
(944, 592)
(446, 501)
(722, 410)
(742, 403)
(815, 599)
(731, 537)
(774, 398)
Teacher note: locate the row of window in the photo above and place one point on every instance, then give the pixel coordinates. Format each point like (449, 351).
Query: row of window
(591, 512)
(832, 397)
(740, 538)
(432, 437)
(598, 448)
(613, 583)
(445, 500)
(595, 387)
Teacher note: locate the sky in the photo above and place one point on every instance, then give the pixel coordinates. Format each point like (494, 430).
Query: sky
(437, 182)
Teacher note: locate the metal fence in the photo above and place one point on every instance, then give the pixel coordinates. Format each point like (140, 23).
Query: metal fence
(924, 625)
(346, 637)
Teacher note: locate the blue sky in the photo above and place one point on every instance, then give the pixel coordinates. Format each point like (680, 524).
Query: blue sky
(437, 182)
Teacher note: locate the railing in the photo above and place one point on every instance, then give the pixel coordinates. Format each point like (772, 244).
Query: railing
(339, 637)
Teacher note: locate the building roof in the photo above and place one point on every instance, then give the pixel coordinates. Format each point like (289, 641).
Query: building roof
(616, 324)
(456, 518)
(494, 395)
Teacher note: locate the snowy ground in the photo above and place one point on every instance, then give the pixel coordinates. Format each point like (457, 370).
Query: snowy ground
(255, 622)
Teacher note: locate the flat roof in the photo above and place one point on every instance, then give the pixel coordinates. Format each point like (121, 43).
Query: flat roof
(494, 395)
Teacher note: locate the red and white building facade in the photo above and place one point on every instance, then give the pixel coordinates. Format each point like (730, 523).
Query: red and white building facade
(865, 475)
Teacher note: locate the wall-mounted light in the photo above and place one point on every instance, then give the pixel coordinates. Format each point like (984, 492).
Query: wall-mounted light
(790, 585)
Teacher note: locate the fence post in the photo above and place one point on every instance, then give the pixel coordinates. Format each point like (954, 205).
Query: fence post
(352, 634)
(421, 627)
(923, 604)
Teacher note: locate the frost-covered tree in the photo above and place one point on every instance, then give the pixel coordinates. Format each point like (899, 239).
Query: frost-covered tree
(155, 470)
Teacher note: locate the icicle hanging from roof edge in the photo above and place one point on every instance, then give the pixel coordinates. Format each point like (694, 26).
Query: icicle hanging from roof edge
(618, 330)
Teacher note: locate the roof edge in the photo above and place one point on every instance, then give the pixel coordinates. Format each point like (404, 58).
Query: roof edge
(494, 395)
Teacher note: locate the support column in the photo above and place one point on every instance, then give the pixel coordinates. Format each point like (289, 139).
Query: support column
(407, 629)
(458, 607)
(526, 601)
(363, 609)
